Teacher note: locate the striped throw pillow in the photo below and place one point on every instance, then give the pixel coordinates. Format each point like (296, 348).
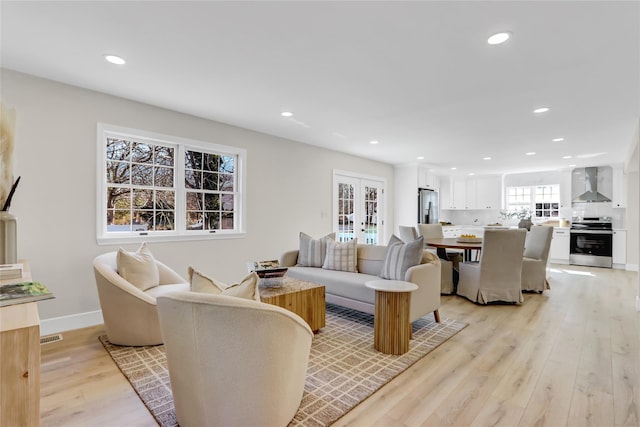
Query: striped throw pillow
(342, 256)
(312, 252)
(400, 257)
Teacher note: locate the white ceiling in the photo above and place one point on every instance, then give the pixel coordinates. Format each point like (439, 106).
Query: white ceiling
(417, 76)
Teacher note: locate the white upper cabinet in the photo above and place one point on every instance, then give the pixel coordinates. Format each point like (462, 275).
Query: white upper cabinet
(427, 179)
(488, 192)
(471, 194)
(483, 192)
(458, 193)
(619, 196)
(565, 188)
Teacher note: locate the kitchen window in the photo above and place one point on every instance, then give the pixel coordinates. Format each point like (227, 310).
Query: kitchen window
(543, 200)
(157, 187)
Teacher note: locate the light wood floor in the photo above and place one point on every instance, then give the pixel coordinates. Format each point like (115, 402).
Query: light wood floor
(568, 357)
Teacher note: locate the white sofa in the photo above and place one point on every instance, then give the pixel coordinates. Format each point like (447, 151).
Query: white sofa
(348, 289)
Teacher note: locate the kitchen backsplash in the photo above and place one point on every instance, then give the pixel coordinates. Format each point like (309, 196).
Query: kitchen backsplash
(492, 216)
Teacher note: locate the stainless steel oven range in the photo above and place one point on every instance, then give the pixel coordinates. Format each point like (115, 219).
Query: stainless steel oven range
(591, 242)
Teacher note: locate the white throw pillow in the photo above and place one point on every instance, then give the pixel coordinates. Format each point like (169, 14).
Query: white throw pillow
(247, 288)
(312, 252)
(138, 268)
(400, 257)
(342, 256)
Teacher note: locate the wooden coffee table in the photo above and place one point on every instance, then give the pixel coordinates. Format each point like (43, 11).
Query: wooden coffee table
(306, 299)
(391, 326)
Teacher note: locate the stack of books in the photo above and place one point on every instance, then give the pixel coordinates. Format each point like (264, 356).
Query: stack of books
(18, 293)
(11, 271)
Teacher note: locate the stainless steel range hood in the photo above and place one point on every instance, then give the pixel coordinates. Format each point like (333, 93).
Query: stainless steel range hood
(585, 184)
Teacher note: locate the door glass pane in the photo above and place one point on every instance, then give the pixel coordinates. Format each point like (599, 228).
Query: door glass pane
(345, 212)
(371, 215)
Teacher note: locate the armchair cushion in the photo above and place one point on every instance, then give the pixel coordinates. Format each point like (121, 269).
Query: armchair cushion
(247, 288)
(138, 268)
(400, 257)
(313, 251)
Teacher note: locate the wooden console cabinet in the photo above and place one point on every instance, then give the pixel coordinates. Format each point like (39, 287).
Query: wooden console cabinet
(19, 363)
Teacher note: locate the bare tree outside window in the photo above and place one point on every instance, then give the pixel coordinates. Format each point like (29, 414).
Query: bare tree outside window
(158, 185)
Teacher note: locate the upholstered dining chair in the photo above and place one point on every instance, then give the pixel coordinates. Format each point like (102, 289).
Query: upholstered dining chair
(498, 275)
(536, 256)
(407, 234)
(233, 361)
(434, 231)
(130, 314)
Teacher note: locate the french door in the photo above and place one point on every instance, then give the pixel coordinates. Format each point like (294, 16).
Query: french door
(358, 211)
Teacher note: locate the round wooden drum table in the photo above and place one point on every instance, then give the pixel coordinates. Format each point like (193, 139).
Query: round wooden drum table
(391, 326)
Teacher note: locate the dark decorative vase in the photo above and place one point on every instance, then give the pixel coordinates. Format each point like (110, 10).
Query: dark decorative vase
(525, 223)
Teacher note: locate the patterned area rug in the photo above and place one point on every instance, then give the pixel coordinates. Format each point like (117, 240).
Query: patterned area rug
(344, 368)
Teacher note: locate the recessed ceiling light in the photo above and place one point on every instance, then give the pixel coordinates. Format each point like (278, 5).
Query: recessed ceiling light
(115, 59)
(541, 110)
(498, 38)
(420, 157)
(530, 153)
(453, 169)
(286, 114)
(486, 158)
(374, 142)
(471, 174)
(566, 157)
(572, 166)
(558, 139)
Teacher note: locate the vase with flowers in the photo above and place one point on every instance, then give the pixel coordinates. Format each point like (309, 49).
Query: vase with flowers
(523, 214)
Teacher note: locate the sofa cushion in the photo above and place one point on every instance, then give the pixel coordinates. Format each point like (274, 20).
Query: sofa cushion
(138, 268)
(342, 283)
(247, 288)
(400, 257)
(341, 256)
(371, 258)
(312, 252)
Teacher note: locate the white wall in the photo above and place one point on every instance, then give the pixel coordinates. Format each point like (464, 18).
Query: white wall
(406, 196)
(289, 189)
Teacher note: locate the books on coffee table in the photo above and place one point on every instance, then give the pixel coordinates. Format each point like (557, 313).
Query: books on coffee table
(267, 269)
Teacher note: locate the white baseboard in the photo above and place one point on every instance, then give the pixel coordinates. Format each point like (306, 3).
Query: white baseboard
(68, 323)
(631, 267)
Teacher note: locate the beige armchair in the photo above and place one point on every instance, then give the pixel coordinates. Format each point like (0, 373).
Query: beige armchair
(233, 361)
(536, 255)
(434, 231)
(498, 275)
(407, 234)
(130, 315)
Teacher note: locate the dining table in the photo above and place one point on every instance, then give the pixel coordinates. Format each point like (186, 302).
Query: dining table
(455, 243)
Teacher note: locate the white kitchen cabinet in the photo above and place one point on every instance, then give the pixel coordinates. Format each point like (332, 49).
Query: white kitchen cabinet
(483, 192)
(565, 188)
(450, 231)
(619, 247)
(488, 192)
(619, 193)
(458, 193)
(559, 250)
(427, 179)
(471, 194)
(445, 192)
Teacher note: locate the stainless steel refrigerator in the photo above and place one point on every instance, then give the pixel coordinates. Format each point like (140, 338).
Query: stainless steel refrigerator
(428, 206)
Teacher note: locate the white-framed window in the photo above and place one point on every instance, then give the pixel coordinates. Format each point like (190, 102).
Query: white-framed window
(159, 187)
(542, 200)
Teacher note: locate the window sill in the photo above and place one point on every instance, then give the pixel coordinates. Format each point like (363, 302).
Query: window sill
(118, 240)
